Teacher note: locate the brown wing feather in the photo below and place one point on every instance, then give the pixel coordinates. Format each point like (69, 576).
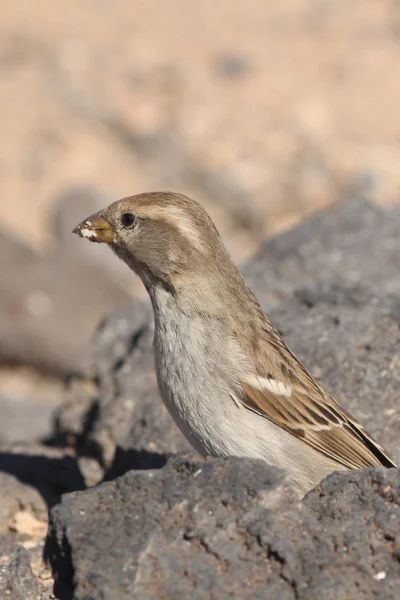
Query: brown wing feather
(331, 432)
(309, 413)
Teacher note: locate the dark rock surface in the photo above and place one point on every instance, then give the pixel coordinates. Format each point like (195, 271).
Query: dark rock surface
(349, 339)
(339, 310)
(113, 408)
(352, 243)
(32, 479)
(50, 471)
(228, 529)
(17, 581)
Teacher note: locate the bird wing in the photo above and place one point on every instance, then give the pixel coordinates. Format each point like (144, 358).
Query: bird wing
(289, 397)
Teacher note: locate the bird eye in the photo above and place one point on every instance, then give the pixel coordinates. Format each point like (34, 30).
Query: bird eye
(128, 219)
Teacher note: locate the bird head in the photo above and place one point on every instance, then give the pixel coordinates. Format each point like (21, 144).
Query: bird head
(162, 236)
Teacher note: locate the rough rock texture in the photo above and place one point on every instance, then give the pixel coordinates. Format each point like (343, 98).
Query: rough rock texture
(228, 529)
(353, 243)
(50, 471)
(113, 410)
(17, 581)
(339, 310)
(32, 479)
(349, 339)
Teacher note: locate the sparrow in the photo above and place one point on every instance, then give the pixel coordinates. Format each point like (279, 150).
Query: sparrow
(229, 381)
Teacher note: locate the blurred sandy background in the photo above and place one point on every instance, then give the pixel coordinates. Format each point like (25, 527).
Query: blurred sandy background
(264, 111)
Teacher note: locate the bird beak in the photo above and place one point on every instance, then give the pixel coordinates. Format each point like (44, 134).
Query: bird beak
(96, 229)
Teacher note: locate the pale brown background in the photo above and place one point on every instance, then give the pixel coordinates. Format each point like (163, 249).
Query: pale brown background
(264, 111)
(289, 104)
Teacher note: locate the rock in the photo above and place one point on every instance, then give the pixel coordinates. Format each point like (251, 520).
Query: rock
(338, 311)
(354, 242)
(349, 340)
(50, 306)
(25, 419)
(27, 402)
(112, 409)
(158, 525)
(16, 495)
(228, 529)
(50, 471)
(358, 550)
(17, 581)
(32, 479)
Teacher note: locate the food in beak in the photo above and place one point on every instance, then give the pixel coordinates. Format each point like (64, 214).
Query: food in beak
(96, 229)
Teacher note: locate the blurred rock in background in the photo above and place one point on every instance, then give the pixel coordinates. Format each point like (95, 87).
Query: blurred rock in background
(50, 305)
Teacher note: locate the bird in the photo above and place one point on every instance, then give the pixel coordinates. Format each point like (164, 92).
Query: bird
(225, 374)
